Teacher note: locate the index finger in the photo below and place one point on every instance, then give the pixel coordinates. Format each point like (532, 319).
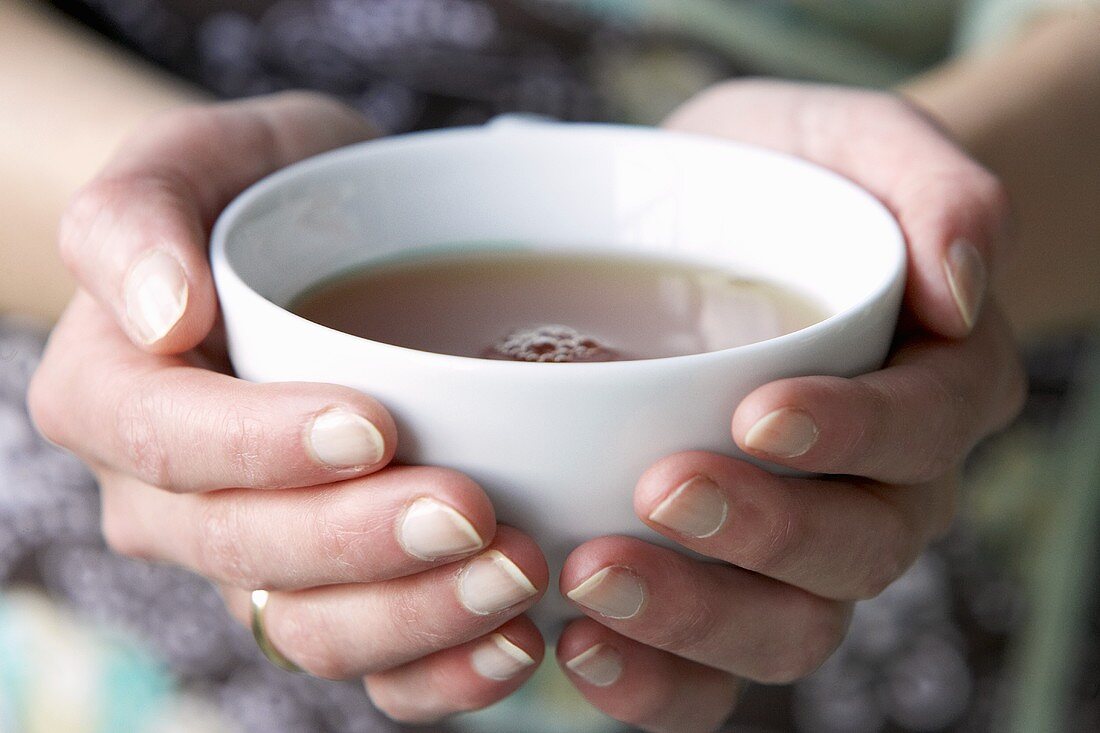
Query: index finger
(910, 422)
(189, 429)
(135, 237)
(954, 212)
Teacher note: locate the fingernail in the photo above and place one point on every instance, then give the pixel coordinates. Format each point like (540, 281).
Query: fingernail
(491, 582)
(696, 508)
(430, 530)
(614, 592)
(966, 276)
(342, 439)
(599, 665)
(785, 433)
(156, 295)
(499, 659)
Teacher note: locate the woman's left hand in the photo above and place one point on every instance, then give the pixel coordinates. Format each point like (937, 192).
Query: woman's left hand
(668, 638)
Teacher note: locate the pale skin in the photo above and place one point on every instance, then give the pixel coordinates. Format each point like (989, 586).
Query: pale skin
(168, 434)
(231, 479)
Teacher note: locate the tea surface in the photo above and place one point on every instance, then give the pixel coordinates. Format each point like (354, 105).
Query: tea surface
(547, 307)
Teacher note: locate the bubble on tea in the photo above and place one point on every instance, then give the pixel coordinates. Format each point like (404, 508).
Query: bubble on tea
(550, 343)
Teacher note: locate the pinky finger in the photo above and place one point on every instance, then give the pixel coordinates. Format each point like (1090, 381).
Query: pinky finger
(643, 686)
(467, 677)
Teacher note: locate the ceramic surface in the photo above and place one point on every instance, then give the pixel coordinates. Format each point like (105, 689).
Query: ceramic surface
(558, 447)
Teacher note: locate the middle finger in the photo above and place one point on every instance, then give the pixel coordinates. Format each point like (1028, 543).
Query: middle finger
(400, 521)
(841, 537)
(910, 422)
(188, 429)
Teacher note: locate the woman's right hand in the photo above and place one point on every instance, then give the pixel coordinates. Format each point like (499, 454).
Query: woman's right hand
(398, 574)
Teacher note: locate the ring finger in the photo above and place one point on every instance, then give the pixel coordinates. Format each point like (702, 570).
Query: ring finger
(344, 631)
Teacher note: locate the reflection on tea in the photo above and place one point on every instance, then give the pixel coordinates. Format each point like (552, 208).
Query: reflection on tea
(540, 306)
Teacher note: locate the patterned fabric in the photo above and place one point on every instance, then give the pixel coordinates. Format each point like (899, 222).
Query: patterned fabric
(405, 63)
(93, 642)
(90, 641)
(412, 64)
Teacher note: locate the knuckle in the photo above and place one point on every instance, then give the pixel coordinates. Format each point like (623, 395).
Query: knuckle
(866, 450)
(945, 431)
(94, 201)
(136, 424)
(343, 539)
(97, 211)
(417, 623)
(218, 542)
(347, 534)
(953, 437)
(695, 627)
(770, 549)
(859, 449)
(244, 439)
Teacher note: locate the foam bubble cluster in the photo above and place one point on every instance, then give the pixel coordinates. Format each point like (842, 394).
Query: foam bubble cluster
(550, 343)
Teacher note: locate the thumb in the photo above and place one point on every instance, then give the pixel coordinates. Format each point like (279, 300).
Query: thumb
(953, 211)
(136, 236)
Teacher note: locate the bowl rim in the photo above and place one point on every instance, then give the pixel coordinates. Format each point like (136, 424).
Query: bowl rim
(229, 282)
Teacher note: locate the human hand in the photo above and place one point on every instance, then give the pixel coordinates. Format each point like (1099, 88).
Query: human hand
(398, 574)
(667, 638)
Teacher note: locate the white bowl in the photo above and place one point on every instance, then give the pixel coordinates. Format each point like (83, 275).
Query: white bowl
(557, 447)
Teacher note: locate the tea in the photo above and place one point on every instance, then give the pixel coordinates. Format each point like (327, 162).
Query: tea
(540, 306)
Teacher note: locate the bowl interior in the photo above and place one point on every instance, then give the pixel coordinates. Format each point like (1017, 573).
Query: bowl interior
(566, 187)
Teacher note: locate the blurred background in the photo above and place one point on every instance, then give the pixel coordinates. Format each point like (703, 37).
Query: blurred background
(997, 628)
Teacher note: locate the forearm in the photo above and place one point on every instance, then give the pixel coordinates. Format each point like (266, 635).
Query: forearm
(67, 99)
(1031, 112)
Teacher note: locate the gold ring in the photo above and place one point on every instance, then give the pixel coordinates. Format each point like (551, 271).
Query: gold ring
(259, 603)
